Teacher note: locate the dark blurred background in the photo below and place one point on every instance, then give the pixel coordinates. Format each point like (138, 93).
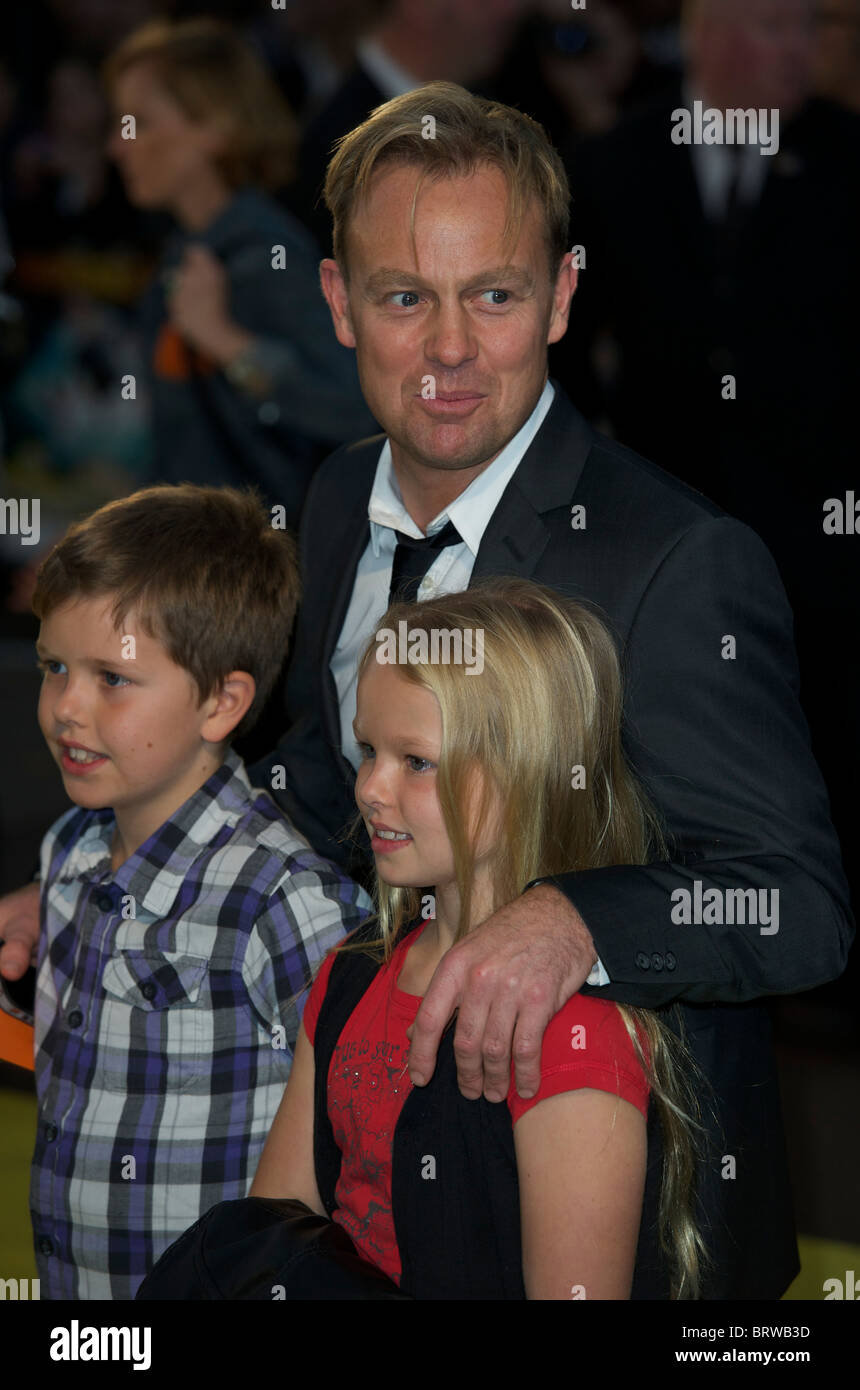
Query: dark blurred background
(717, 304)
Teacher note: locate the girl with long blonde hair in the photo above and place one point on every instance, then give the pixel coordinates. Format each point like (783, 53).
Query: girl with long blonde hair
(497, 763)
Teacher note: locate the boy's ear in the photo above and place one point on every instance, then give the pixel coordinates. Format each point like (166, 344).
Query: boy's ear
(228, 706)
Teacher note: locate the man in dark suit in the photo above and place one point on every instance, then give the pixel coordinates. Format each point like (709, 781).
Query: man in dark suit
(728, 283)
(451, 323)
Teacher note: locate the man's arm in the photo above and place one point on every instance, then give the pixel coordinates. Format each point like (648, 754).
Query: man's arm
(717, 733)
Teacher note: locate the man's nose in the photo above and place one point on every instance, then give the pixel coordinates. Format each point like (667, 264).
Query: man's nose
(451, 341)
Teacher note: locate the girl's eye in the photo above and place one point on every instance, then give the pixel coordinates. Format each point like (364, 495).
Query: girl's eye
(114, 680)
(494, 300)
(47, 667)
(400, 295)
(425, 763)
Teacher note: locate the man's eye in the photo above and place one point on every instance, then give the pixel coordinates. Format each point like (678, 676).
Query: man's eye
(495, 296)
(424, 763)
(400, 295)
(115, 680)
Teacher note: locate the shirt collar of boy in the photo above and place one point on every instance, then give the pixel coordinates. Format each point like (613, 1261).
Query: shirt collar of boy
(154, 873)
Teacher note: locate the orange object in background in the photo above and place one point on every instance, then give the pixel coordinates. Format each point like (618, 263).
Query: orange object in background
(16, 1042)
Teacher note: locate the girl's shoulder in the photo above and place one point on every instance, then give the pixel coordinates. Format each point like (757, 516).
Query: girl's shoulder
(348, 953)
(586, 1044)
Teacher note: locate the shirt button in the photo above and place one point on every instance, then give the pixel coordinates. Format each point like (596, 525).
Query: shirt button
(657, 961)
(642, 961)
(51, 1133)
(104, 901)
(46, 1245)
(670, 961)
(426, 583)
(75, 1018)
(148, 989)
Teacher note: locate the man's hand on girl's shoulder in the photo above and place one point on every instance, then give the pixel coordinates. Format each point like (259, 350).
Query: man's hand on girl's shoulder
(506, 980)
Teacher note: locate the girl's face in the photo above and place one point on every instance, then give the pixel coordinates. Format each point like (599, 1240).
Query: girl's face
(398, 728)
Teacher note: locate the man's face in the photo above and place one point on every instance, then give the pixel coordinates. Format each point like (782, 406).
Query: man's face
(755, 53)
(451, 333)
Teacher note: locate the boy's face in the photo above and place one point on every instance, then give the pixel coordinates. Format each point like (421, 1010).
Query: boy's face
(126, 731)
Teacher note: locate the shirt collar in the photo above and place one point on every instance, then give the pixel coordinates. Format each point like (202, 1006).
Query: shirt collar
(471, 511)
(154, 873)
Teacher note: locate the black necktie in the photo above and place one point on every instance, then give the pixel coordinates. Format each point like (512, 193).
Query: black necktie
(414, 557)
(734, 213)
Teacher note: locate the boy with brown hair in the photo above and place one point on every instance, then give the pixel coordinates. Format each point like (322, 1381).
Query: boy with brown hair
(181, 914)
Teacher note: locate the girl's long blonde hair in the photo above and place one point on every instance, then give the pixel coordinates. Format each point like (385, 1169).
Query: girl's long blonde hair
(542, 723)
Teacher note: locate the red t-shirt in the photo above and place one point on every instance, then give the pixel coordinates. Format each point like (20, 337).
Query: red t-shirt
(585, 1044)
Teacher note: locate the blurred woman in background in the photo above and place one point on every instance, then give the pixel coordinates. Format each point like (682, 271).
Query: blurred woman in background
(248, 383)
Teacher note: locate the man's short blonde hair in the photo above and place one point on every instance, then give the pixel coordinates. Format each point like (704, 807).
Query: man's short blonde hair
(446, 132)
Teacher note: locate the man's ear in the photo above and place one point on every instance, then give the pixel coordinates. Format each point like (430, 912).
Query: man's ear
(228, 706)
(563, 292)
(337, 298)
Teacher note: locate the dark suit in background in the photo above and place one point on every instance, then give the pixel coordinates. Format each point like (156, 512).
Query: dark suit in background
(773, 302)
(721, 745)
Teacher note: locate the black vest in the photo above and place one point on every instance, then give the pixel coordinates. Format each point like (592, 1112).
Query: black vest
(458, 1233)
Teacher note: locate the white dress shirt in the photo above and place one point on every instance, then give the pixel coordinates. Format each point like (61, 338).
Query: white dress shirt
(714, 169)
(450, 572)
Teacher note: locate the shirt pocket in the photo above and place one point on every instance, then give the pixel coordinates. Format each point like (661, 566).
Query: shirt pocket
(152, 1033)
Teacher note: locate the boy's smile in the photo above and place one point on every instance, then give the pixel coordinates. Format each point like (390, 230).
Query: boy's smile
(128, 733)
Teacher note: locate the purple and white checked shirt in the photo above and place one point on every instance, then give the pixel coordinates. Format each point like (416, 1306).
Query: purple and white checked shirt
(161, 992)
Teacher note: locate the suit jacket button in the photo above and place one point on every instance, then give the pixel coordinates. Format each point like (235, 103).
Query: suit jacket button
(657, 961)
(642, 960)
(670, 961)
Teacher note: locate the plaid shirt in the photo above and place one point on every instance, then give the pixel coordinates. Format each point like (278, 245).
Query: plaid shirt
(160, 989)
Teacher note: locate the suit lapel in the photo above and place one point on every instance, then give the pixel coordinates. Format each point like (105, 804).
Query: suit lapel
(349, 534)
(547, 478)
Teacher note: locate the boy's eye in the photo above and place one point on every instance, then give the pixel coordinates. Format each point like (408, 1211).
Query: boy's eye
(47, 667)
(365, 750)
(115, 680)
(424, 763)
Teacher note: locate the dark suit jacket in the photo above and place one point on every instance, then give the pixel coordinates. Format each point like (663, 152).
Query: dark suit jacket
(720, 744)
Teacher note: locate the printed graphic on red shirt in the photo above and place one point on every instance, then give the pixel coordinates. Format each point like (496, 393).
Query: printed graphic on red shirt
(368, 1084)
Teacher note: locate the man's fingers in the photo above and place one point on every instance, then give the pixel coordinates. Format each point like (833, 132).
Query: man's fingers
(436, 1011)
(469, 1041)
(15, 958)
(494, 1035)
(528, 1041)
(19, 931)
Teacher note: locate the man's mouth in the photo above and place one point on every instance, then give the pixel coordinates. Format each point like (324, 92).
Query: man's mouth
(451, 402)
